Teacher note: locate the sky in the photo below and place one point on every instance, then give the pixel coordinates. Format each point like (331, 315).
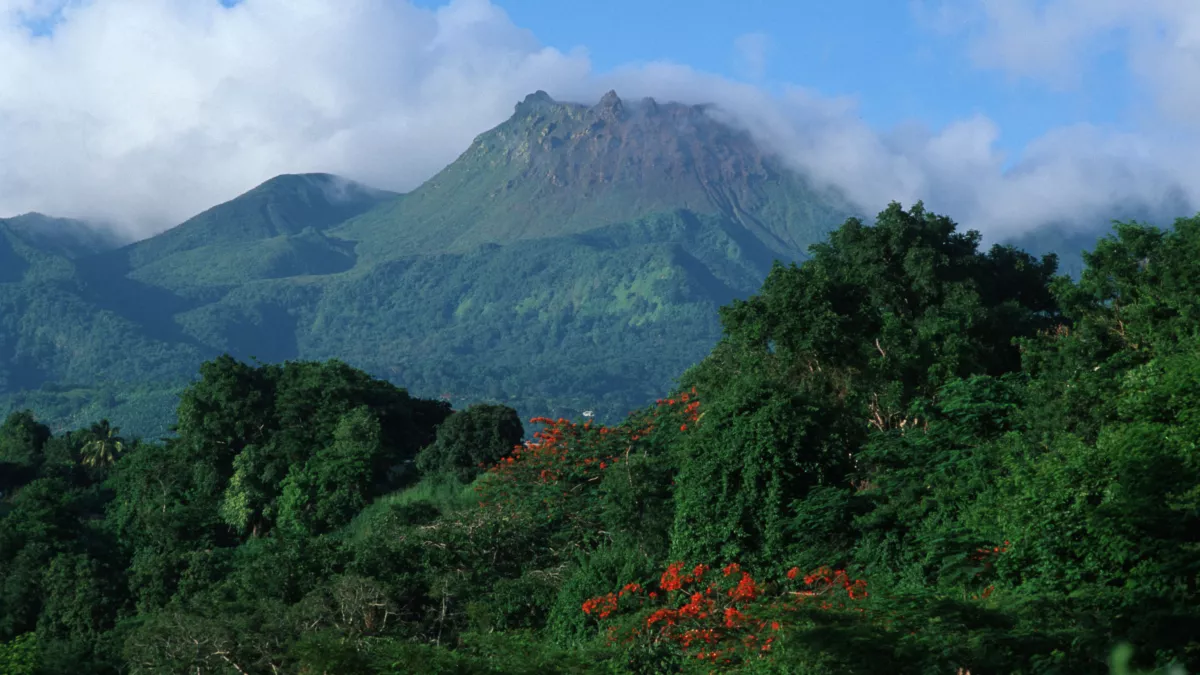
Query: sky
(880, 52)
(1003, 114)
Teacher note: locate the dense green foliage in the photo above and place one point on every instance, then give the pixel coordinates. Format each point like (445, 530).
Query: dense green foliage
(471, 440)
(648, 218)
(905, 455)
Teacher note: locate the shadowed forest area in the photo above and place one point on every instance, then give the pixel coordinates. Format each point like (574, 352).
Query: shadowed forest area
(905, 455)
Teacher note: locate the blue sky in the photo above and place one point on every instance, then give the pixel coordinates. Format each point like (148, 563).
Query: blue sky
(879, 51)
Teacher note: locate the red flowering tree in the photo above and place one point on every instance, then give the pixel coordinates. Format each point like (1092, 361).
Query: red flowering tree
(556, 475)
(725, 617)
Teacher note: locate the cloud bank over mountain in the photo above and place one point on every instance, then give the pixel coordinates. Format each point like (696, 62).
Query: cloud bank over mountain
(143, 112)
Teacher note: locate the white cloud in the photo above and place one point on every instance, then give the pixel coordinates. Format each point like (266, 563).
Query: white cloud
(751, 51)
(1056, 41)
(147, 111)
(1072, 176)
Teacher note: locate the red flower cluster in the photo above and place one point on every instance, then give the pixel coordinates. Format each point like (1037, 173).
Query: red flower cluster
(562, 455)
(724, 617)
(826, 579)
(672, 581)
(690, 411)
(986, 556)
(564, 460)
(602, 605)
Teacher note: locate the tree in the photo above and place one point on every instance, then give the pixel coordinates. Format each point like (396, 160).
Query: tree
(104, 447)
(833, 350)
(470, 439)
(22, 441)
(335, 484)
(256, 426)
(19, 656)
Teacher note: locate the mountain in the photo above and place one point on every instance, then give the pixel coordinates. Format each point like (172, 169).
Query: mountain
(1070, 240)
(555, 169)
(52, 336)
(42, 246)
(572, 258)
(275, 230)
(1068, 243)
(66, 237)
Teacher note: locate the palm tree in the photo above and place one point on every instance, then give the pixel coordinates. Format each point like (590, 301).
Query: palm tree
(105, 445)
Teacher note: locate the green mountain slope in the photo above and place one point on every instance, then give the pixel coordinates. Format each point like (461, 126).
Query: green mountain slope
(275, 230)
(66, 237)
(285, 205)
(625, 304)
(229, 264)
(573, 258)
(560, 168)
(52, 334)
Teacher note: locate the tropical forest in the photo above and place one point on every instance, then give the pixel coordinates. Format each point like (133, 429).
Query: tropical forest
(905, 452)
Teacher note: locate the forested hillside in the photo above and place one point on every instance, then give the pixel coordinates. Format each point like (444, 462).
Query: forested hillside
(552, 268)
(905, 455)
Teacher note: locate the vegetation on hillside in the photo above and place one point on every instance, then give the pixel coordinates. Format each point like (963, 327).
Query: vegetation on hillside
(547, 327)
(906, 455)
(550, 268)
(557, 168)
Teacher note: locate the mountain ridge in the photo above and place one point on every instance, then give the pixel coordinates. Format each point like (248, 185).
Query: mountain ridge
(67, 237)
(286, 205)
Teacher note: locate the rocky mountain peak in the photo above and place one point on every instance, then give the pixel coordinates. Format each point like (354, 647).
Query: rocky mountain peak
(610, 108)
